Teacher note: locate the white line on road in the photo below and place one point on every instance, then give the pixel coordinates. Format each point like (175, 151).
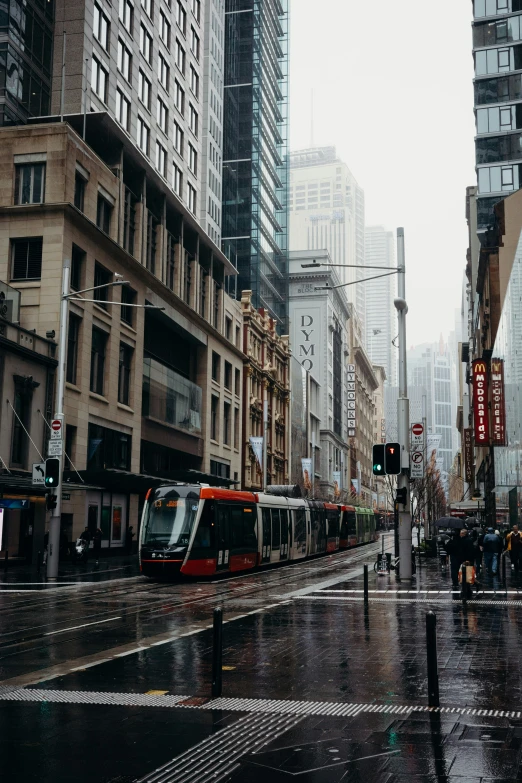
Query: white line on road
(85, 625)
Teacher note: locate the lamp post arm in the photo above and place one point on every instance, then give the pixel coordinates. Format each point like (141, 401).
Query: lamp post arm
(354, 282)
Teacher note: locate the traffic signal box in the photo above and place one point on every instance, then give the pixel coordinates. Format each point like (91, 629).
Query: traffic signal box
(387, 459)
(52, 472)
(379, 468)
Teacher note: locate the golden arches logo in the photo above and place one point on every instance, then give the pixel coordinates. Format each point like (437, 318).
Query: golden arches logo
(496, 366)
(479, 367)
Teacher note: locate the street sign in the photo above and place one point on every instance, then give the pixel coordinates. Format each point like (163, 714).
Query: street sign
(55, 448)
(4, 503)
(38, 474)
(56, 429)
(417, 465)
(417, 434)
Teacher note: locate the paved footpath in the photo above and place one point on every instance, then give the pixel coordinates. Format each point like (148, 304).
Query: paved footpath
(316, 687)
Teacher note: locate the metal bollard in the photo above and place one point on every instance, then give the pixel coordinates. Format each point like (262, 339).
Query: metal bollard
(431, 652)
(366, 584)
(504, 576)
(217, 653)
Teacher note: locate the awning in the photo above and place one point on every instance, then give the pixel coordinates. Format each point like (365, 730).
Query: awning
(21, 483)
(139, 483)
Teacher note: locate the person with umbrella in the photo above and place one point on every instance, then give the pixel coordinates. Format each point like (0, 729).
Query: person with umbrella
(460, 550)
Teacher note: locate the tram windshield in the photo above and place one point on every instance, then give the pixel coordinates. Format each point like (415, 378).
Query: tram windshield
(170, 517)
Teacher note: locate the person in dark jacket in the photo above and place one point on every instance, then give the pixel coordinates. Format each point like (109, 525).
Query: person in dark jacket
(479, 551)
(492, 546)
(97, 543)
(460, 550)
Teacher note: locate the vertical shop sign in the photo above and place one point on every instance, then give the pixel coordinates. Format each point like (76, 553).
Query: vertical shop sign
(498, 406)
(468, 455)
(350, 379)
(480, 402)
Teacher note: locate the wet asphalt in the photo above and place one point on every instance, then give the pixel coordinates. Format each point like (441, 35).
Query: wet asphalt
(317, 685)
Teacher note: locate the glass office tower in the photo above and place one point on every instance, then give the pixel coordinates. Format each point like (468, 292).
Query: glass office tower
(497, 47)
(255, 151)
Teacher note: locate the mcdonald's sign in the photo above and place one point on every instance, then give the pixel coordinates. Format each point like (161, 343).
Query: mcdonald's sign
(498, 403)
(481, 402)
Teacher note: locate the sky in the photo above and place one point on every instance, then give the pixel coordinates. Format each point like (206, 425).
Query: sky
(392, 89)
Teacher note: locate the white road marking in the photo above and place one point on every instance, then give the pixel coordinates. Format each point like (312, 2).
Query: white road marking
(85, 625)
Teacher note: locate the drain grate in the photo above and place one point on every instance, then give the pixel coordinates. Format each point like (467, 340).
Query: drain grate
(218, 756)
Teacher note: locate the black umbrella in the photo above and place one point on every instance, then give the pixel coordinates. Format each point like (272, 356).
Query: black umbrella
(453, 522)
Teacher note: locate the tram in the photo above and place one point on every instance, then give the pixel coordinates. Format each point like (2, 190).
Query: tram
(201, 531)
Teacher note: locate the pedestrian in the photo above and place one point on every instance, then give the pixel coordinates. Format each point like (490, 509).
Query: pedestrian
(514, 547)
(97, 542)
(461, 550)
(492, 546)
(130, 536)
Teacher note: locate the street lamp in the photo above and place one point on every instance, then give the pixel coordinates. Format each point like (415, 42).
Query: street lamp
(66, 297)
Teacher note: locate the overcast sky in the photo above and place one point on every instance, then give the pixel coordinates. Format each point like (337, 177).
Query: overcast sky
(392, 84)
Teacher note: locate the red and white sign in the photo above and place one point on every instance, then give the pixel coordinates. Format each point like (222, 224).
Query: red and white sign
(56, 425)
(57, 428)
(417, 429)
(480, 402)
(498, 406)
(417, 435)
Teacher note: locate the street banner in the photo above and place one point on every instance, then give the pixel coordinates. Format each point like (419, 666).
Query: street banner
(337, 483)
(468, 456)
(306, 463)
(257, 448)
(355, 487)
(498, 403)
(480, 402)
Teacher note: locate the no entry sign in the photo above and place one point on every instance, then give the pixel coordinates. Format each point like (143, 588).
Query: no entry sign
(56, 429)
(417, 434)
(56, 425)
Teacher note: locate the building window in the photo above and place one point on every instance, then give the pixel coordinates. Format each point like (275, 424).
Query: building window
(163, 72)
(144, 90)
(216, 366)
(196, 9)
(238, 337)
(30, 183)
(143, 136)
(26, 258)
(191, 198)
(228, 376)
(214, 418)
(161, 159)
(73, 334)
(237, 385)
(215, 313)
(123, 110)
(236, 428)
(102, 278)
(104, 214)
(129, 221)
(226, 423)
(194, 43)
(126, 14)
(194, 81)
(146, 44)
(228, 327)
(21, 423)
(79, 191)
(128, 298)
(181, 17)
(151, 242)
(193, 120)
(108, 448)
(202, 293)
(178, 139)
(164, 30)
(124, 60)
(77, 263)
(147, 7)
(171, 260)
(162, 115)
(180, 56)
(177, 180)
(98, 348)
(192, 160)
(124, 373)
(179, 97)
(99, 79)
(101, 27)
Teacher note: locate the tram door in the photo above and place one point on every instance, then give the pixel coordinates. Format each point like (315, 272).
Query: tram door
(223, 538)
(284, 534)
(267, 535)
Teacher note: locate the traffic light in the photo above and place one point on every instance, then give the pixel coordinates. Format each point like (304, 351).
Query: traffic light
(402, 496)
(392, 460)
(50, 502)
(52, 472)
(378, 460)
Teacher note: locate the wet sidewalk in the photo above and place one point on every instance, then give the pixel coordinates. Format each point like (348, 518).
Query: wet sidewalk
(70, 572)
(317, 687)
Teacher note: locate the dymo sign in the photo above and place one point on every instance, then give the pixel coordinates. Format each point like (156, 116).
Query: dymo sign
(480, 402)
(307, 336)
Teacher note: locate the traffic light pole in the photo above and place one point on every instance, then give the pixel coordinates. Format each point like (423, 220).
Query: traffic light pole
(53, 554)
(403, 419)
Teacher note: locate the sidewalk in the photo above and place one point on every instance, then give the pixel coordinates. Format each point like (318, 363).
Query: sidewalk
(317, 688)
(110, 567)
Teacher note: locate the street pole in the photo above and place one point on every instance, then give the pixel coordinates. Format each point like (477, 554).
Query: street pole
(403, 417)
(313, 465)
(56, 514)
(265, 439)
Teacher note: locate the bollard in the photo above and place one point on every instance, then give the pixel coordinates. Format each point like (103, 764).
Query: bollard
(366, 584)
(504, 577)
(217, 653)
(464, 592)
(38, 561)
(431, 651)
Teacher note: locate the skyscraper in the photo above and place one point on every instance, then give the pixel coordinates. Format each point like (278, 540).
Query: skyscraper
(327, 213)
(255, 150)
(497, 46)
(380, 314)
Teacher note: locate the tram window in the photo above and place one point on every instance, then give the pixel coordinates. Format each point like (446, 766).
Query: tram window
(223, 526)
(267, 525)
(205, 534)
(300, 524)
(284, 525)
(276, 529)
(236, 523)
(242, 526)
(249, 527)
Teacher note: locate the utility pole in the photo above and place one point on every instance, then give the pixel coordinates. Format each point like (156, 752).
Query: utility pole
(265, 439)
(403, 419)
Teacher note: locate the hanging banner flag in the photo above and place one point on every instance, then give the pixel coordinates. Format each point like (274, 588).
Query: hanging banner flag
(480, 402)
(306, 463)
(355, 487)
(468, 456)
(498, 405)
(257, 448)
(337, 484)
